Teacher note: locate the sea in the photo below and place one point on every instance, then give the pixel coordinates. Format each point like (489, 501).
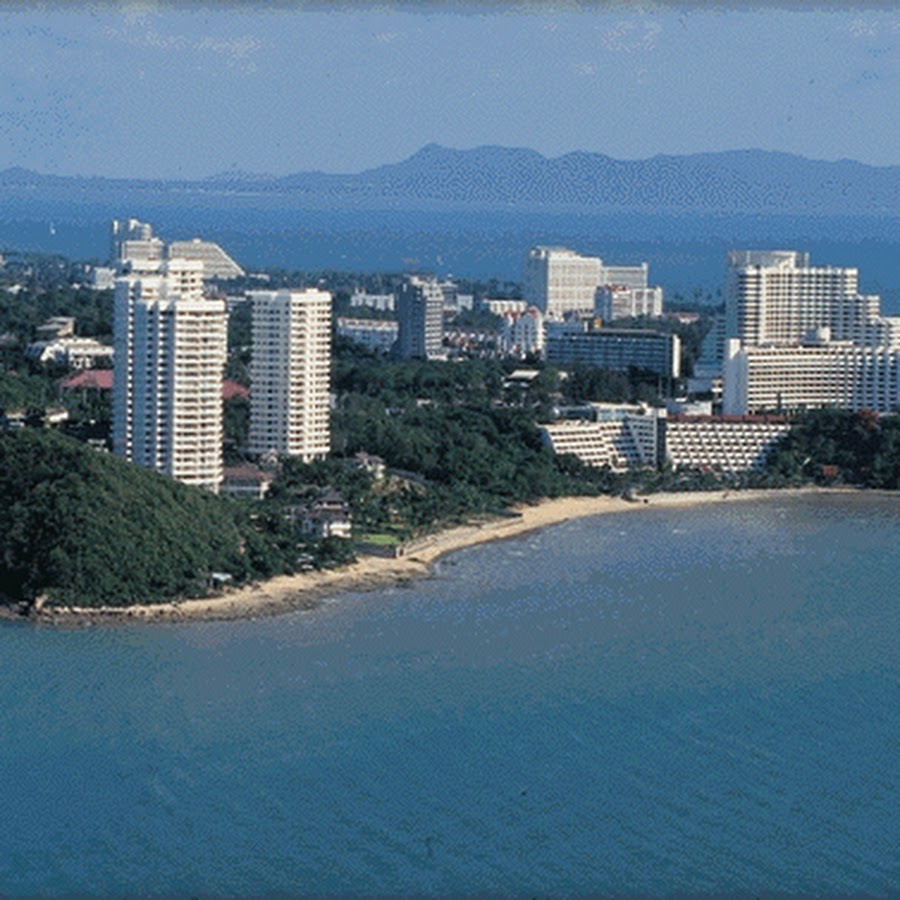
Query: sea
(686, 253)
(698, 700)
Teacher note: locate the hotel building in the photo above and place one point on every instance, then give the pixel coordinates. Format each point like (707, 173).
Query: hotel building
(559, 281)
(290, 373)
(802, 336)
(170, 348)
(785, 379)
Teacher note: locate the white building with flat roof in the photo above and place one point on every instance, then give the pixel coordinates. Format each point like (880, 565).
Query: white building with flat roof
(290, 373)
(377, 335)
(839, 374)
(616, 301)
(560, 281)
(721, 444)
(170, 349)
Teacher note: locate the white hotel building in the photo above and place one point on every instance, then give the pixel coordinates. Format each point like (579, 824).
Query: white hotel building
(290, 373)
(801, 336)
(170, 348)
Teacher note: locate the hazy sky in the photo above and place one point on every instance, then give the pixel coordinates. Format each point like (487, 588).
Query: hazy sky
(156, 89)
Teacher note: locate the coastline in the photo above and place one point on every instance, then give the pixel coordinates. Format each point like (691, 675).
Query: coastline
(304, 591)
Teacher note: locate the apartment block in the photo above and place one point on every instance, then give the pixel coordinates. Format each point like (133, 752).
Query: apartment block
(420, 317)
(290, 373)
(170, 349)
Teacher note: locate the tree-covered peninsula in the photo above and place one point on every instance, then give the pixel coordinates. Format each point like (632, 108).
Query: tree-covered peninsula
(83, 528)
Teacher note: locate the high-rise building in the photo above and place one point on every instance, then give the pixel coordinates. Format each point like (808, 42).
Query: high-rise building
(420, 317)
(802, 336)
(290, 373)
(559, 281)
(774, 297)
(170, 349)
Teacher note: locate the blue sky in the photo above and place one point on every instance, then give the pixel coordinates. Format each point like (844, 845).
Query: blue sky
(161, 90)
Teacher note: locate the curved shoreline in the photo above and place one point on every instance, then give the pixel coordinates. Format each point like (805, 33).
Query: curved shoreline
(287, 593)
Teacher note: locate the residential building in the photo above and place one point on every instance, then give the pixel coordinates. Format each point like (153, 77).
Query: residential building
(290, 373)
(383, 302)
(523, 333)
(420, 315)
(503, 306)
(170, 348)
(216, 262)
(74, 352)
(619, 349)
(246, 482)
(377, 335)
(560, 281)
(635, 277)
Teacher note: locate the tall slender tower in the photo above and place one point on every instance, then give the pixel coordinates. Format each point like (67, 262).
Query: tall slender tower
(290, 373)
(420, 319)
(170, 344)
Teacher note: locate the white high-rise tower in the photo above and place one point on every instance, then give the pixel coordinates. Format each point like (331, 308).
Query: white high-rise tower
(290, 373)
(170, 344)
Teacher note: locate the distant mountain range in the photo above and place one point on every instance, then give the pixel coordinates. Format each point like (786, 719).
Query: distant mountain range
(752, 182)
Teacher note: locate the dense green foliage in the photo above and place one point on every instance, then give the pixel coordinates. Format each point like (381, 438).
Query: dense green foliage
(82, 527)
(828, 445)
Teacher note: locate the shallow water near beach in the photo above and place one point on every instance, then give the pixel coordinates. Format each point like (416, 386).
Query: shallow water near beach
(687, 699)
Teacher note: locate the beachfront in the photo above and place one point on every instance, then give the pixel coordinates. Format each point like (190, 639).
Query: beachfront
(286, 593)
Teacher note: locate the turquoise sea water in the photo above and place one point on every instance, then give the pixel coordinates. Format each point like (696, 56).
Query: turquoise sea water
(682, 700)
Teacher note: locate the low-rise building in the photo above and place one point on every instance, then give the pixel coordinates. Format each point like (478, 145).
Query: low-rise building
(377, 335)
(74, 352)
(246, 482)
(784, 379)
(721, 443)
(619, 436)
(619, 349)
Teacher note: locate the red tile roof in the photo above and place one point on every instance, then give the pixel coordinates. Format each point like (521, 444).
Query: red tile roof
(102, 380)
(99, 379)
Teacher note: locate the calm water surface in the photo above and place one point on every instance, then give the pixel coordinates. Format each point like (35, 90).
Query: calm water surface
(696, 700)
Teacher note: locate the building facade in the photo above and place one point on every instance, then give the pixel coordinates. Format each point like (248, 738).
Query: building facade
(559, 281)
(785, 379)
(170, 349)
(420, 319)
(619, 349)
(774, 297)
(616, 301)
(290, 373)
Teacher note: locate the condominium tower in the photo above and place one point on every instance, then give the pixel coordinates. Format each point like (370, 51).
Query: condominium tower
(420, 317)
(290, 370)
(170, 348)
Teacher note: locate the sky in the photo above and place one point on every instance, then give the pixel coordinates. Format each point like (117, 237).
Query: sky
(156, 89)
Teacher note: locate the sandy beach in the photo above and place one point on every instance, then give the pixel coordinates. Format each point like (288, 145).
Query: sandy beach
(285, 593)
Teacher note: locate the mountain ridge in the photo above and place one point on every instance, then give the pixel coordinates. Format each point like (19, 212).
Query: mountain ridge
(497, 177)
